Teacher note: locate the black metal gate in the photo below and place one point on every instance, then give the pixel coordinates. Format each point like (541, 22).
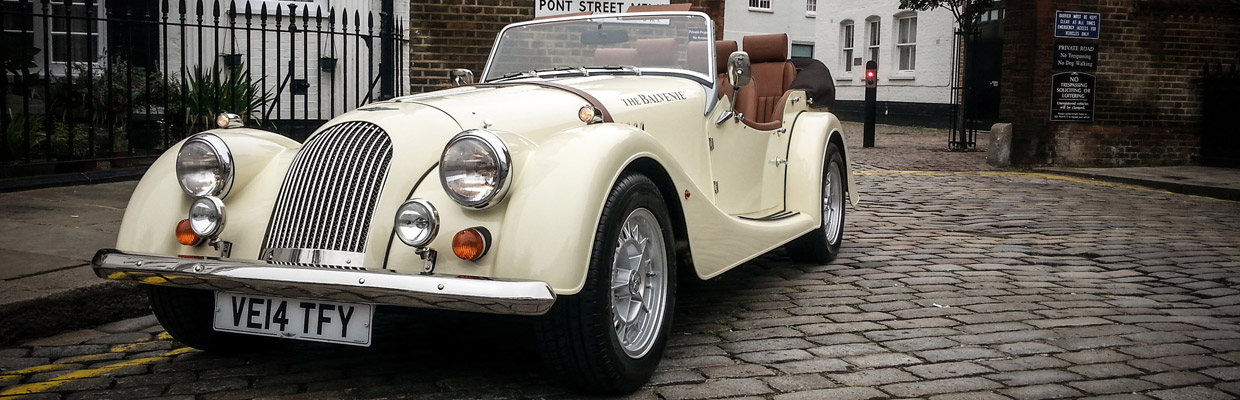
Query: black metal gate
(1220, 137)
(93, 84)
(975, 78)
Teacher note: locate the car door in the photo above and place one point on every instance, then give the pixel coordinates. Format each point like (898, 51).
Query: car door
(748, 166)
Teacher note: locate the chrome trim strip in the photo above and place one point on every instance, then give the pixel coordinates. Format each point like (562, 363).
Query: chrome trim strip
(315, 257)
(375, 287)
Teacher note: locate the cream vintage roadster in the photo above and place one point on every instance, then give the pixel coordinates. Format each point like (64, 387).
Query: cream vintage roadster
(598, 159)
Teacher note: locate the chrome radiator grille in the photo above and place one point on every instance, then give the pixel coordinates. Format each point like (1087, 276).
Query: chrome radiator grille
(330, 192)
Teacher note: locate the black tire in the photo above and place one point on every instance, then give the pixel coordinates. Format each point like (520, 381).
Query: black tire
(578, 337)
(187, 315)
(822, 245)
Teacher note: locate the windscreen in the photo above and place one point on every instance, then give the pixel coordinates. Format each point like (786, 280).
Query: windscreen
(675, 43)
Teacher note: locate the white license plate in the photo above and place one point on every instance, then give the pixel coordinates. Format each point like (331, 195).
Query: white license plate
(316, 320)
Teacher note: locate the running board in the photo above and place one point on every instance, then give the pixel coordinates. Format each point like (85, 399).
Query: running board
(773, 217)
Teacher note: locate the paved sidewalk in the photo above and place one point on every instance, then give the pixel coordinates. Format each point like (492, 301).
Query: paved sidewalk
(1220, 183)
(50, 235)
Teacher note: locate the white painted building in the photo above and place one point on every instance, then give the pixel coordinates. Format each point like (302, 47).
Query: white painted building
(913, 49)
(758, 17)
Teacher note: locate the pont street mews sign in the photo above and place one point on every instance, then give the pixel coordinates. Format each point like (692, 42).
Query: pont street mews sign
(1077, 25)
(1072, 96)
(547, 8)
(1076, 56)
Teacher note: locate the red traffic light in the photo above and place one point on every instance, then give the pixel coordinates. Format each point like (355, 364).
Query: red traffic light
(869, 74)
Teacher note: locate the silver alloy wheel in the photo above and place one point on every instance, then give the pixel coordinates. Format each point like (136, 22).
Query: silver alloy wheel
(638, 284)
(832, 202)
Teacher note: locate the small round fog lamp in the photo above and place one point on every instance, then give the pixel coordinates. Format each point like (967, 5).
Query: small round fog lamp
(417, 222)
(206, 216)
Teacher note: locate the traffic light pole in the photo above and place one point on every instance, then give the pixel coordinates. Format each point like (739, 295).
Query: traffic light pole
(871, 108)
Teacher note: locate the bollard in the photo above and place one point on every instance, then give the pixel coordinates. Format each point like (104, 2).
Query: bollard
(871, 93)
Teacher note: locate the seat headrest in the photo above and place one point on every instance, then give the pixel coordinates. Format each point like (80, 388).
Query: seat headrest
(723, 49)
(767, 48)
(616, 56)
(659, 52)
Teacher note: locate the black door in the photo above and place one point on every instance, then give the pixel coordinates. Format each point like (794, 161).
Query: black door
(986, 68)
(1220, 140)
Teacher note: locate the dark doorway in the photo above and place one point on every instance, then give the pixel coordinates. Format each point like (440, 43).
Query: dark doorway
(135, 39)
(1220, 140)
(986, 64)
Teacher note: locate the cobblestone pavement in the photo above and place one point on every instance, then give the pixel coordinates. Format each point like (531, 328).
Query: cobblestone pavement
(906, 148)
(961, 285)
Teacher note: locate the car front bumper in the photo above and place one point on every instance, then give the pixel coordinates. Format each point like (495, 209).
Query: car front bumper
(383, 287)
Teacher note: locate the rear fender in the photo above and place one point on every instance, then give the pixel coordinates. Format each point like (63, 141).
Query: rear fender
(811, 134)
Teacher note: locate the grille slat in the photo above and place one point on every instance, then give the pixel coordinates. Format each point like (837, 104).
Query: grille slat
(329, 195)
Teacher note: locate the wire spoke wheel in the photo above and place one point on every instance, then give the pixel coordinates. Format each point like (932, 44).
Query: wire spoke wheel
(823, 244)
(832, 203)
(638, 290)
(609, 337)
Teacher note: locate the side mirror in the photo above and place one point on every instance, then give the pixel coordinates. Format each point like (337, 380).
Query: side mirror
(462, 77)
(739, 71)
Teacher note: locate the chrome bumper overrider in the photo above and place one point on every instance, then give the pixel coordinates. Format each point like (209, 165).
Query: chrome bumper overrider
(376, 287)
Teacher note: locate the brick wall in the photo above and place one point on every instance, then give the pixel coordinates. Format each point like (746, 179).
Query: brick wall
(448, 34)
(1148, 105)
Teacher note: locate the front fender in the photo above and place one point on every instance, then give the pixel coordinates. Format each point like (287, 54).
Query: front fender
(158, 203)
(557, 199)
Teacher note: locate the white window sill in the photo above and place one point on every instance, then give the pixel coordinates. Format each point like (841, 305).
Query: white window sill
(847, 76)
(811, 15)
(761, 10)
(903, 76)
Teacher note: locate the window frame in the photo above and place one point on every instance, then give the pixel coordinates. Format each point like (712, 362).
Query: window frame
(848, 37)
(59, 26)
(811, 8)
(901, 45)
(760, 5)
(792, 49)
(874, 38)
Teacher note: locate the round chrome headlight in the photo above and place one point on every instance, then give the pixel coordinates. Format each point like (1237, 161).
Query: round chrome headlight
(205, 166)
(475, 169)
(206, 216)
(417, 222)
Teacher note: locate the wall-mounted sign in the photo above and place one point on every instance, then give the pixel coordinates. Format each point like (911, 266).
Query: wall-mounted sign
(1076, 56)
(1072, 96)
(548, 8)
(1077, 25)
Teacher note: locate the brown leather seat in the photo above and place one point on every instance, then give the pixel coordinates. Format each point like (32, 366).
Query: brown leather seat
(659, 52)
(616, 56)
(724, 49)
(772, 76)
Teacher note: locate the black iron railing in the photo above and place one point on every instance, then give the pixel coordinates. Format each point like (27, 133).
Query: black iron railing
(102, 84)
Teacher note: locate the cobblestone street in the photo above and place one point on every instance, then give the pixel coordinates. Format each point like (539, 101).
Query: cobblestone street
(955, 281)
